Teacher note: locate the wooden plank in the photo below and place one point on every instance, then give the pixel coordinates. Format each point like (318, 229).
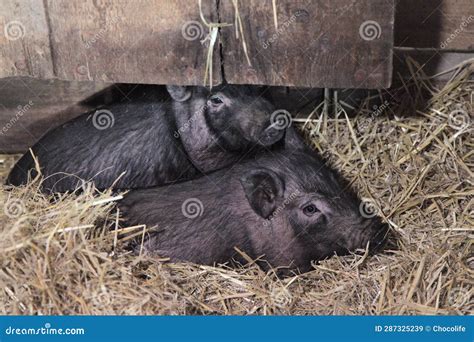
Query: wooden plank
(319, 43)
(131, 41)
(445, 24)
(89, 37)
(24, 42)
(30, 107)
(146, 41)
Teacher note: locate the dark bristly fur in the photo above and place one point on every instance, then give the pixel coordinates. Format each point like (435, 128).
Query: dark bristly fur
(257, 206)
(153, 142)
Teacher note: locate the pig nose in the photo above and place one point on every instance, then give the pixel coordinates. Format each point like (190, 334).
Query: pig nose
(379, 239)
(270, 135)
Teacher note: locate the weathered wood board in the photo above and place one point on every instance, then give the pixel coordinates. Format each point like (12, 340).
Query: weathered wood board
(318, 43)
(161, 42)
(24, 40)
(130, 41)
(30, 107)
(145, 41)
(442, 24)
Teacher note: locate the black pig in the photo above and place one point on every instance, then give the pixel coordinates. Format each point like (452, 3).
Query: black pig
(285, 205)
(153, 142)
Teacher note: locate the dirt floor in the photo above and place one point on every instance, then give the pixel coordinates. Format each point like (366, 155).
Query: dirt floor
(411, 159)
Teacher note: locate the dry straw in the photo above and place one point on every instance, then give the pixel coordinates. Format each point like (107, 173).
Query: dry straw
(213, 35)
(66, 255)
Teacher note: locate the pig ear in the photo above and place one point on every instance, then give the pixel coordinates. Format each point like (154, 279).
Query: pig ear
(263, 188)
(179, 93)
(293, 140)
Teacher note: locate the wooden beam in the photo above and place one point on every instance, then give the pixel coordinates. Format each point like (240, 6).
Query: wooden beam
(318, 43)
(161, 42)
(24, 40)
(130, 41)
(443, 24)
(30, 107)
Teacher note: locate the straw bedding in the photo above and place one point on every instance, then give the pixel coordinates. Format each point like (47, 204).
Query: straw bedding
(411, 160)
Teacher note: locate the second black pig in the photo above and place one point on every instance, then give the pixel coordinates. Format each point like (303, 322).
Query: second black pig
(152, 143)
(286, 206)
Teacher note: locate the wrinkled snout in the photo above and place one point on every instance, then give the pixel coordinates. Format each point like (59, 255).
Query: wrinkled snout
(271, 135)
(379, 236)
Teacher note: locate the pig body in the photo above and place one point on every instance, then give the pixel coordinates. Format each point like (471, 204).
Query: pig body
(286, 206)
(148, 143)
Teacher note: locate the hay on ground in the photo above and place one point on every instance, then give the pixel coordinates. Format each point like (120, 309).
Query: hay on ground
(416, 165)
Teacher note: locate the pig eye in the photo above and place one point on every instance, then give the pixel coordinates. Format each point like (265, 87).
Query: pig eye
(310, 210)
(215, 100)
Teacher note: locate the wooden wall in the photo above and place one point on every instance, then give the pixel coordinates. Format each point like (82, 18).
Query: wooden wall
(29, 107)
(430, 31)
(110, 41)
(317, 43)
(431, 23)
(439, 34)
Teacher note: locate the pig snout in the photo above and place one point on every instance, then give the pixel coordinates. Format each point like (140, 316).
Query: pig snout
(369, 231)
(379, 236)
(270, 135)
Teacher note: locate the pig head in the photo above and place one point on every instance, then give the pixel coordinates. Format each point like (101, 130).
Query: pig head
(286, 207)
